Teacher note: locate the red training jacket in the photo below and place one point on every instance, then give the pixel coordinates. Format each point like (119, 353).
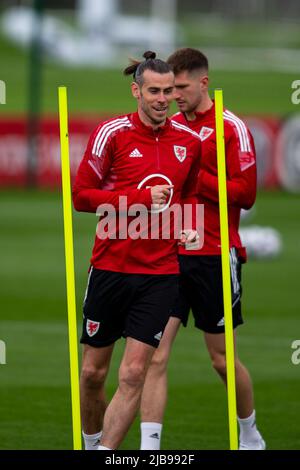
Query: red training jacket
(241, 177)
(124, 157)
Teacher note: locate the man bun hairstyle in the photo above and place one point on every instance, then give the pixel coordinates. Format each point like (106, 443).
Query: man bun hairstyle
(150, 62)
(187, 60)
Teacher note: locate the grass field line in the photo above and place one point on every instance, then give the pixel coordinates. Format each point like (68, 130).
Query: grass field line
(254, 58)
(27, 326)
(270, 340)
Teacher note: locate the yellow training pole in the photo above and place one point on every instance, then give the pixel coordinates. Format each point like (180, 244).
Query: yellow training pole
(69, 254)
(229, 343)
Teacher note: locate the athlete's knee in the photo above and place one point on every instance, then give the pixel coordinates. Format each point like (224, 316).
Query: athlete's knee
(159, 362)
(93, 377)
(132, 375)
(241, 369)
(219, 364)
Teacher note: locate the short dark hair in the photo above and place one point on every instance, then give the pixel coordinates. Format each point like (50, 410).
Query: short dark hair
(187, 59)
(137, 68)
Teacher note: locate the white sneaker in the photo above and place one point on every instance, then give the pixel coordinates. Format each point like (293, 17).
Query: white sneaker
(259, 444)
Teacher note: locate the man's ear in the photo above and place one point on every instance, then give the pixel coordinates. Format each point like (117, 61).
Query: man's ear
(204, 81)
(135, 89)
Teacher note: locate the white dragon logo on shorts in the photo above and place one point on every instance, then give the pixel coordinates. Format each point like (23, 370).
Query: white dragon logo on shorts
(92, 327)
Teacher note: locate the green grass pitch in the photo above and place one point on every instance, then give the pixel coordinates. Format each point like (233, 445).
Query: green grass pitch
(35, 405)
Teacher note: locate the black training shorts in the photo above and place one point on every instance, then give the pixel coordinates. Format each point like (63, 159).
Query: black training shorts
(120, 304)
(200, 289)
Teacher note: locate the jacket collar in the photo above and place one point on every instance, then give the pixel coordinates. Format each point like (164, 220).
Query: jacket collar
(135, 119)
(210, 112)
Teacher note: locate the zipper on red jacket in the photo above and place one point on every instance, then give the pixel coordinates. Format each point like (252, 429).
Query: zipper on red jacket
(157, 150)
